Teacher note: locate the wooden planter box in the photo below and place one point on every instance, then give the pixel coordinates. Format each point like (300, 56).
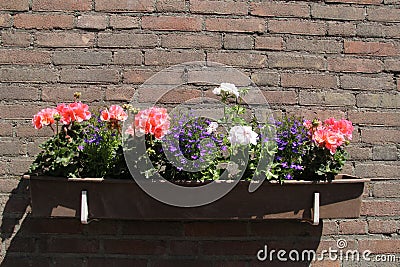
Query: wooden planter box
(124, 199)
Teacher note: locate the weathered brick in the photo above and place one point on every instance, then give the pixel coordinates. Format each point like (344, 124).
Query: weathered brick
(61, 93)
(361, 2)
(19, 166)
(280, 9)
(17, 39)
(124, 22)
(318, 46)
(398, 84)
(134, 247)
(15, 5)
(386, 189)
(182, 40)
(280, 97)
(380, 208)
(31, 75)
(377, 30)
(137, 76)
(5, 20)
(371, 170)
(380, 246)
(119, 93)
(6, 129)
(15, 92)
(388, 152)
(326, 263)
(235, 25)
(268, 78)
(359, 153)
(89, 76)
(238, 42)
(375, 136)
(345, 64)
(337, 12)
(392, 65)
(69, 245)
(61, 5)
(386, 14)
(13, 148)
(269, 43)
(217, 75)
(124, 6)
(35, 21)
(367, 83)
(240, 59)
(167, 58)
(295, 61)
(92, 22)
(24, 57)
(171, 6)
(65, 39)
(383, 226)
(120, 262)
(128, 57)
(375, 118)
(353, 227)
(378, 100)
(341, 29)
(127, 40)
(218, 7)
(169, 23)
(370, 48)
(308, 80)
(77, 57)
(297, 27)
(326, 98)
(28, 130)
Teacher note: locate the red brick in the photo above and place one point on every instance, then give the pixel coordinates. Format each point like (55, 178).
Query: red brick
(240, 59)
(217, 75)
(280, 9)
(168, 58)
(385, 14)
(71, 262)
(323, 114)
(171, 6)
(119, 93)
(31, 75)
(78, 57)
(61, 93)
(295, 61)
(337, 12)
(35, 21)
(313, 45)
(69, 245)
(269, 43)
(326, 263)
(128, 57)
(137, 76)
(29, 131)
(134, 247)
(378, 100)
(92, 22)
(367, 82)
(5, 20)
(61, 5)
(124, 22)
(127, 40)
(169, 23)
(392, 65)
(370, 170)
(24, 57)
(173, 96)
(235, 25)
(183, 40)
(154, 228)
(341, 28)
(375, 118)
(17, 39)
(377, 30)
(238, 41)
(370, 48)
(215, 229)
(13, 92)
(383, 226)
(380, 246)
(89, 76)
(353, 227)
(65, 39)
(218, 7)
(286, 229)
(326, 98)
(116, 262)
(310, 80)
(232, 247)
(361, 2)
(386, 189)
(342, 64)
(124, 6)
(265, 78)
(375, 136)
(329, 228)
(15, 5)
(52, 226)
(297, 27)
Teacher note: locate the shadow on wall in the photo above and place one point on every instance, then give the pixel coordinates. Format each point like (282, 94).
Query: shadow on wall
(66, 242)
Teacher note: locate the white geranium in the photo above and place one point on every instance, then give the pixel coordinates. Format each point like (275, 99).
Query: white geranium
(242, 135)
(212, 127)
(229, 88)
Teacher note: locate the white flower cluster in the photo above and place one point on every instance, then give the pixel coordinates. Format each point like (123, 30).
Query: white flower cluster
(242, 135)
(228, 88)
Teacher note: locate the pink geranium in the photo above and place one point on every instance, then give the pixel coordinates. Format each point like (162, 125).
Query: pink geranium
(76, 111)
(153, 121)
(44, 117)
(115, 112)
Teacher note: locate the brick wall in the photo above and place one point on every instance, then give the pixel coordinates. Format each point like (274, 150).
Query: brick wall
(332, 57)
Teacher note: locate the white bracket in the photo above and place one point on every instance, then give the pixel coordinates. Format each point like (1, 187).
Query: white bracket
(315, 219)
(84, 208)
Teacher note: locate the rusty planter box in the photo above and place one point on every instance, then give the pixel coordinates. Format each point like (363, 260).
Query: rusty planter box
(124, 199)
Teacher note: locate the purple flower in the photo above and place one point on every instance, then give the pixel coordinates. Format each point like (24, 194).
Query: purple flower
(288, 176)
(80, 148)
(285, 165)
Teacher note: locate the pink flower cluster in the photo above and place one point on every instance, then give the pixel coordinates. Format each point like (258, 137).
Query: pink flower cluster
(114, 113)
(76, 111)
(153, 121)
(330, 134)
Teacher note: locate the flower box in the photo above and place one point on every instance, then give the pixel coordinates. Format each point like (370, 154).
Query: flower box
(124, 199)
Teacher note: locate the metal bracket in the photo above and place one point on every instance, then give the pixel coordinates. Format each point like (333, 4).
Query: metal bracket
(84, 208)
(315, 219)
